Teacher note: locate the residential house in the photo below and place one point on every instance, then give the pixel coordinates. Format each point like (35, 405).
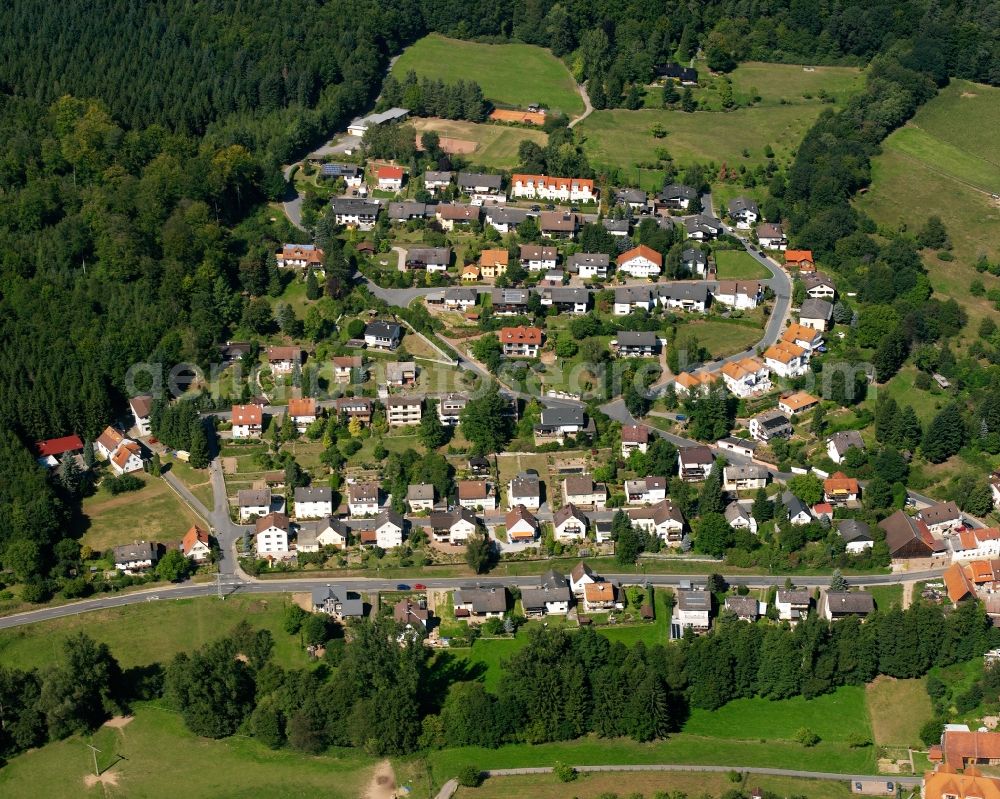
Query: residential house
(694, 383)
(771, 236)
(694, 463)
(524, 489)
(493, 263)
(692, 609)
(636, 200)
(580, 489)
(944, 517)
(739, 294)
(363, 499)
(701, 227)
(359, 408)
(740, 517)
(479, 183)
(476, 494)
(566, 300)
(138, 556)
(834, 605)
(383, 335)
(389, 527)
(313, 502)
(635, 344)
(284, 360)
(569, 523)
(302, 256)
(303, 411)
(744, 212)
(746, 608)
(741, 446)
(536, 259)
(579, 577)
(688, 76)
(552, 596)
(600, 597)
(471, 273)
(856, 534)
(747, 377)
(662, 519)
(688, 297)
(677, 197)
(976, 543)
(634, 437)
(450, 408)
(196, 544)
(796, 403)
(403, 411)
(390, 178)
(744, 478)
(647, 490)
(108, 442)
(253, 503)
(838, 445)
(908, 537)
(355, 213)
(589, 265)
(431, 259)
(815, 313)
(558, 224)
(435, 180)
(324, 532)
(127, 458)
(695, 261)
(141, 407)
(633, 298)
(798, 511)
(339, 602)
(965, 749)
(450, 214)
(544, 187)
(557, 423)
(946, 783)
(411, 614)
(800, 259)
(476, 602)
(509, 302)
(617, 227)
(822, 511)
(420, 497)
(641, 261)
(406, 210)
(808, 338)
(460, 299)
(521, 525)
(504, 220)
(272, 536)
(839, 489)
(348, 369)
(521, 342)
(351, 174)
(401, 373)
(770, 424)
(453, 526)
(51, 451)
(819, 286)
(786, 359)
(792, 603)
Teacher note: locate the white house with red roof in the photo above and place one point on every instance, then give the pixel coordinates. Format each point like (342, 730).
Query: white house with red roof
(641, 261)
(634, 437)
(248, 421)
(390, 178)
(544, 187)
(196, 545)
(52, 450)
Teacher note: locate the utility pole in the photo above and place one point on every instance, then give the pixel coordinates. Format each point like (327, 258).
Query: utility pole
(95, 750)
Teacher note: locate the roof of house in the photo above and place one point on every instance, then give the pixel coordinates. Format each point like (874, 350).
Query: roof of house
(491, 599)
(406, 209)
(535, 252)
(403, 402)
(743, 606)
(302, 406)
(745, 367)
(313, 494)
(850, 602)
(637, 338)
(690, 380)
(959, 745)
(501, 215)
(784, 351)
(521, 335)
(740, 443)
(554, 183)
(616, 225)
(844, 440)
(473, 179)
(562, 416)
(509, 296)
(631, 196)
(420, 491)
(279, 520)
(429, 255)
(901, 530)
(576, 485)
(351, 602)
(567, 512)
(813, 279)
(795, 256)
(941, 513)
(445, 520)
(840, 482)
(193, 536)
(958, 583)
(599, 592)
(794, 596)
(684, 292)
(677, 191)
(772, 420)
(689, 599)
(635, 433)
(382, 329)
(110, 438)
(813, 308)
(473, 489)
(734, 511)
(695, 455)
(247, 415)
(280, 354)
(125, 451)
(798, 401)
(854, 530)
(389, 173)
(795, 505)
(407, 611)
(141, 405)
(396, 371)
(642, 251)
(525, 485)
(389, 516)
(739, 204)
(363, 491)
(749, 288)
(494, 257)
(580, 571)
(749, 471)
(457, 212)
(769, 230)
(52, 447)
(253, 497)
(944, 781)
(796, 332)
(633, 294)
(558, 221)
(136, 551)
(702, 221)
(519, 513)
(695, 254)
(662, 512)
(436, 176)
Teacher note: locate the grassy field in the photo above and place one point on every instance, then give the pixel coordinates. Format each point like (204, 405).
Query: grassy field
(792, 83)
(885, 697)
(154, 631)
(153, 513)
(594, 786)
(935, 166)
(722, 338)
(925, 403)
(497, 144)
(739, 265)
(512, 74)
(161, 758)
(886, 595)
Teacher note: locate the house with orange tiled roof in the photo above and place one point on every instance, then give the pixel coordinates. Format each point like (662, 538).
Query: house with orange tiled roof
(493, 263)
(303, 412)
(544, 187)
(839, 489)
(127, 458)
(800, 259)
(600, 597)
(797, 403)
(641, 261)
(963, 748)
(958, 583)
(975, 544)
(747, 377)
(471, 273)
(521, 341)
(787, 359)
(248, 421)
(946, 783)
(806, 337)
(196, 545)
(691, 383)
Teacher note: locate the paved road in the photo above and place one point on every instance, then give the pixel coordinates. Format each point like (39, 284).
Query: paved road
(252, 586)
(774, 772)
(292, 202)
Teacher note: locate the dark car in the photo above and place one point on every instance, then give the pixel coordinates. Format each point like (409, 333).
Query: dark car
(402, 587)
(550, 207)
(536, 208)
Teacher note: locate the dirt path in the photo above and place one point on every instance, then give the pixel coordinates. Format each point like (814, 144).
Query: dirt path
(588, 108)
(908, 594)
(383, 782)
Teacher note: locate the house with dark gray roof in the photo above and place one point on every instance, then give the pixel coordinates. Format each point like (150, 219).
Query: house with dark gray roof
(407, 210)
(433, 259)
(339, 602)
(798, 511)
(552, 595)
(635, 344)
(841, 604)
(589, 265)
(691, 297)
(815, 313)
(479, 183)
(856, 534)
(840, 442)
(744, 212)
(746, 608)
(677, 196)
(617, 227)
(477, 602)
(694, 260)
(565, 299)
(505, 219)
(383, 335)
